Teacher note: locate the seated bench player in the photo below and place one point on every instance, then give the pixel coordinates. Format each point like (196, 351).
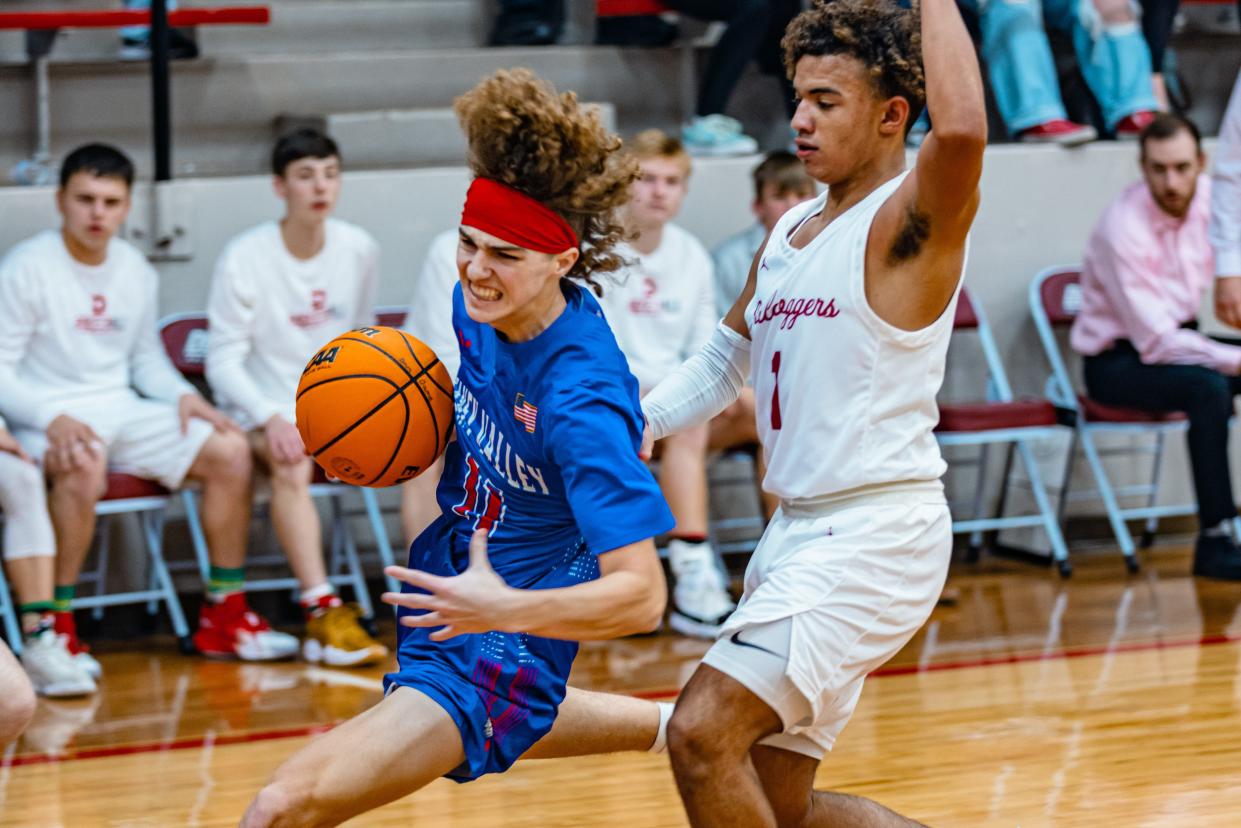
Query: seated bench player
(280, 291)
(29, 563)
(87, 387)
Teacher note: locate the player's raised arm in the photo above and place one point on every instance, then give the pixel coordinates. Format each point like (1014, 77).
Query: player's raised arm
(949, 165)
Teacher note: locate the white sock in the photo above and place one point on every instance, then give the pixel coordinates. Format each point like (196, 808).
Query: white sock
(312, 596)
(661, 738)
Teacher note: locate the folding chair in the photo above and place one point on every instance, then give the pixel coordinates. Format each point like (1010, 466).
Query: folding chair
(185, 339)
(148, 501)
(1000, 420)
(1055, 298)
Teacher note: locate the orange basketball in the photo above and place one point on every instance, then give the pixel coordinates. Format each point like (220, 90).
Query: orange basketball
(374, 407)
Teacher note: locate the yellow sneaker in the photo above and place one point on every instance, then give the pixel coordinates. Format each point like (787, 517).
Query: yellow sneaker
(335, 637)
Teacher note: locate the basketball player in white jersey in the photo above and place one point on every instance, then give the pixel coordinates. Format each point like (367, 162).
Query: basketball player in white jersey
(845, 321)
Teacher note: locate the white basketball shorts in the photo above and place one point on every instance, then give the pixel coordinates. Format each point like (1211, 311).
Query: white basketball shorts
(834, 589)
(142, 437)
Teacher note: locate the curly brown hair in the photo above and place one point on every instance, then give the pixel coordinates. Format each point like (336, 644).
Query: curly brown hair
(524, 134)
(881, 35)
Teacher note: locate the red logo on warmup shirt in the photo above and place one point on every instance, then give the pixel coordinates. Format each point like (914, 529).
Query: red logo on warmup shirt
(319, 312)
(98, 322)
(648, 305)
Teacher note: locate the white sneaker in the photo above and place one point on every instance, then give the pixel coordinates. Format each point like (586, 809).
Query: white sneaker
(700, 599)
(90, 664)
(52, 670)
(716, 135)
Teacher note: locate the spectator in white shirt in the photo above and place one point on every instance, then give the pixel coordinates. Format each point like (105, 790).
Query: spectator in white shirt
(1225, 227)
(662, 310)
(87, 388)
(780, 183)
(280, 291)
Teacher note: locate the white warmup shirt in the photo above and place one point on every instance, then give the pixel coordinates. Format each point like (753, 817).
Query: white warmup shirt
(269, 312)
(72, 333)
(1225, 230)
(732, 259)
(430, 311)
(662, 307)
(844, 399)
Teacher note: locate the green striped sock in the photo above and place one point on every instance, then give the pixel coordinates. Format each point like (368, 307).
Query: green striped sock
(226, 580)
(63, 598)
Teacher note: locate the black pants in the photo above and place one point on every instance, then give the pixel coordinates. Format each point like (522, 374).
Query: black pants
(1157, 19)
(1119, 377)
(753, 33)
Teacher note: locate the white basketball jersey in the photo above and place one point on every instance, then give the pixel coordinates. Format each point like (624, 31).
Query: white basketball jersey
(845, 400)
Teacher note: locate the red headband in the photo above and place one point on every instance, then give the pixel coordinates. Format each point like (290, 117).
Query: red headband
(516, 218)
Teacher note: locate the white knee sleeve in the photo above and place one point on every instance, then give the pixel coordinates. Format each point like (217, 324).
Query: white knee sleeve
(23, 503)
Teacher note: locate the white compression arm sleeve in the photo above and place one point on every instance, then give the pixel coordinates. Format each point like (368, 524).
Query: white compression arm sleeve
(704, 385)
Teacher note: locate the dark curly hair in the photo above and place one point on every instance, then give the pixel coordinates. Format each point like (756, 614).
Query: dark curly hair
(524, 134)
(884, 37)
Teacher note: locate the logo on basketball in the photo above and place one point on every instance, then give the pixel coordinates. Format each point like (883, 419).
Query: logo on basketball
(375, 406)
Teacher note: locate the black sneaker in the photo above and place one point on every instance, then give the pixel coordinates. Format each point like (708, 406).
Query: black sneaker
(1218, 557)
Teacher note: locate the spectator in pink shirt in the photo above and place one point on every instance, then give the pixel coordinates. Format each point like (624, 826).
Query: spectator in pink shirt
(1147, 266)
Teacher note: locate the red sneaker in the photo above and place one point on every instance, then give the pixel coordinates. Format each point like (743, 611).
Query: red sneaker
(67, 631)
(1131, 126)
(230, 629)
(1059, 131)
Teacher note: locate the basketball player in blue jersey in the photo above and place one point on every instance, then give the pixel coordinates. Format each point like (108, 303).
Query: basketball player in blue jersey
(548, 514)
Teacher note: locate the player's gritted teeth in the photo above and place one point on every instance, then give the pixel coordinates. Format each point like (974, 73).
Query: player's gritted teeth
(484, 294)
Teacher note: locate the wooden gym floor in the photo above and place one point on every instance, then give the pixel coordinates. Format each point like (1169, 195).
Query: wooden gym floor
(1107, 700)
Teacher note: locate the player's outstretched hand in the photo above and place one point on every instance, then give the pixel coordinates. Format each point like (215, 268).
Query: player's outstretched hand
(193, 405)
(473, 602)
(284, 440)
(9, 445)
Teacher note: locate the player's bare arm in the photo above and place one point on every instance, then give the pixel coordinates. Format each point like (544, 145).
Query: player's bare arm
(627, 598)
(917, 245)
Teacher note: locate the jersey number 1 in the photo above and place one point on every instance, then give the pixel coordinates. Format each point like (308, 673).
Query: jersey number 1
(775, 392)
(479, 491)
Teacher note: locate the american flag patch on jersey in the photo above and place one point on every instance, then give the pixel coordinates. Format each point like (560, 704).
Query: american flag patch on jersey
(525, 413)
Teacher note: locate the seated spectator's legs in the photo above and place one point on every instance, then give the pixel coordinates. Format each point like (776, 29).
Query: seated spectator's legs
(1157, 20)
(1113, 57)
(334, 635)
(711, 133)
(17, 701)
(1019, 62)
(29, 560)
(700, 598)
(747, 26)
(735, 428)
(418, 504)
(293, 513)
(1118, 377)
(222, 467)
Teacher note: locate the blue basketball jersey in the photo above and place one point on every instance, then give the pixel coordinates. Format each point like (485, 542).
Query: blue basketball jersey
(548, 433)
(546, 460)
